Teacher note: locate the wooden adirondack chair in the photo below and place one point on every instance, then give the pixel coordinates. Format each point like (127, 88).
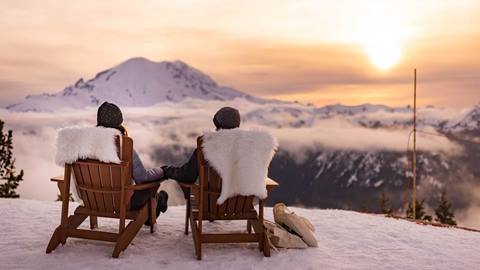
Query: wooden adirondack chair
(105, 189)
(202, 205)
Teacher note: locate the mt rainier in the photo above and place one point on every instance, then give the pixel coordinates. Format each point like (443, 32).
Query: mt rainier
(136, 82)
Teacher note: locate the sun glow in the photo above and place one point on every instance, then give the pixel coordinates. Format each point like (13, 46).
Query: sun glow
(384, 54)
(382, 38)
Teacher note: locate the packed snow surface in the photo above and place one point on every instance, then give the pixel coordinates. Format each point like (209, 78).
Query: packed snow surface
(347, 240)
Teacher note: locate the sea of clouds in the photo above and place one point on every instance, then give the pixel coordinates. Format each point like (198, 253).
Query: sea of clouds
(167, 124)
(173, 124)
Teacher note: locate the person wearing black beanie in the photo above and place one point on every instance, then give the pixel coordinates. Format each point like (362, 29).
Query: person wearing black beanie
(109, 115)
(225, 118)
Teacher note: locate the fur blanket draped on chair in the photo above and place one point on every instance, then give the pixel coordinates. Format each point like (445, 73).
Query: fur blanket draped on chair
(241, 157)
(75, 143)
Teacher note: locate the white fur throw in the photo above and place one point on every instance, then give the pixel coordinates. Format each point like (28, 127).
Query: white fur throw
(241, 157)
(74, 143)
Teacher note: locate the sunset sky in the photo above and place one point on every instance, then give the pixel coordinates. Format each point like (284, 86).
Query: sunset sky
(318, 52)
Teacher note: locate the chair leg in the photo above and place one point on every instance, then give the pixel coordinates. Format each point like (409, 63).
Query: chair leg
(152, 213)
(187, 216)
(249, 227)
(260, 243)
(187, 194)
(199, 253)
(263, 244)
(93, 222)
(63, 237)
(198, 248)
(126, 236)
(55, 240)
(266, 245)
(60, 234)
(196, 238)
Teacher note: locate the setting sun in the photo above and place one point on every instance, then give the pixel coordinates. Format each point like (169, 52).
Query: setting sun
(382, 37)
(383, 53)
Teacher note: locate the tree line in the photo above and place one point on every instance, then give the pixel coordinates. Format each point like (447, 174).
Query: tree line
(443, 211)
(9, 178)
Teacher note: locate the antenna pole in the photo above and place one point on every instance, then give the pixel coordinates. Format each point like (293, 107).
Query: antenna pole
(414, 193)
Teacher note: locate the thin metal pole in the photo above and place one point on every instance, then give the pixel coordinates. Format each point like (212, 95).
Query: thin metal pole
(414, 193)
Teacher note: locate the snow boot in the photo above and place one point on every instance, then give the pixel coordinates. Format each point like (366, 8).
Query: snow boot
(162, 205)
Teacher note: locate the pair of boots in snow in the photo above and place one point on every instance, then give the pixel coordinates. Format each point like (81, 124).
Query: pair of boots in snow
(290, 230)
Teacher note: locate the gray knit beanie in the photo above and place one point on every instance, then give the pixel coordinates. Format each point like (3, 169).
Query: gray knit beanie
(227, 118)
(109, 115)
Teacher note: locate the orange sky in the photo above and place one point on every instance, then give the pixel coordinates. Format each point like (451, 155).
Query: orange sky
(318, 52)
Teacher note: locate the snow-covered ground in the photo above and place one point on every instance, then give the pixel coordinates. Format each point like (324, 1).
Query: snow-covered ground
(347, 240)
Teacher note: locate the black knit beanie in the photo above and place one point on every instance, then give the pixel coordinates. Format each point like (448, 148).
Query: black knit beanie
(109, 115)
(227, 118)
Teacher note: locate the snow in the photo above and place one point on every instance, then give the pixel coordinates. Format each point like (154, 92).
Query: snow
(470, 122)
(378, 183)
(347, 240)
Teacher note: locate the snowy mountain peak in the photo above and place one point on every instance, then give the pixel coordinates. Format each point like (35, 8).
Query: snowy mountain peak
(470, 122)
(135, 82)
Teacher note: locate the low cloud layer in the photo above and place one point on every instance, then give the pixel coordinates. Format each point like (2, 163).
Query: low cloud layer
(178, 124)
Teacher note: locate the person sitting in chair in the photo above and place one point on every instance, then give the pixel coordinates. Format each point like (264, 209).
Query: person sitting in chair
(109, 115)
(225, 118)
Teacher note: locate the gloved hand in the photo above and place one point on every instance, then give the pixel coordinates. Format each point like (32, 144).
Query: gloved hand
(166, 170)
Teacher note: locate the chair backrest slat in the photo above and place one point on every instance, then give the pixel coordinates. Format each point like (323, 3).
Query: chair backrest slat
(248, 203)
(222, 209)
(212, 187)
(106, 180)
(99, 183)
(80, 182)
(239, 205)
(231, 206)
(115, 176)
(96, 182)
(88, 182)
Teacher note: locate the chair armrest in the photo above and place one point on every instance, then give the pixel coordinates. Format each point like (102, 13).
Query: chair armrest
(191, 187)
(186, 185)
(57, 178)
(272, 183)
(144, 186)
